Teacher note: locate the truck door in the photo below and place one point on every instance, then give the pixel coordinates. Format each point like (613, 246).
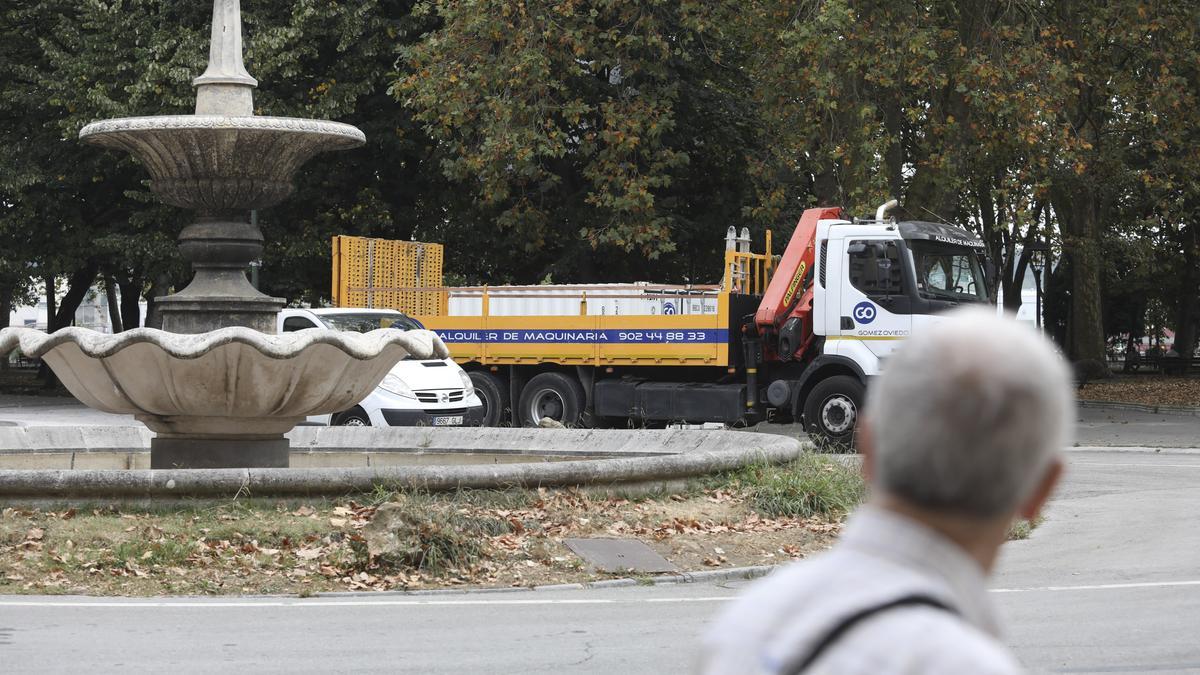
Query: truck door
(875, 307)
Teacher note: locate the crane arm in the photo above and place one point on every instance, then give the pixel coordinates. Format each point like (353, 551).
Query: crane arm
(787, 295)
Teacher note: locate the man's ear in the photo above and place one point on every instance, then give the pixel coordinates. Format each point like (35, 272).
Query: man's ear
(1034, 503)
(864, 441)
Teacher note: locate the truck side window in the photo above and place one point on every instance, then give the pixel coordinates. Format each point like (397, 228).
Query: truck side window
(874, 267)
(295, 323)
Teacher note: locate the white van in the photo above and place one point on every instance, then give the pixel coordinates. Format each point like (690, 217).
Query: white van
(415, 393)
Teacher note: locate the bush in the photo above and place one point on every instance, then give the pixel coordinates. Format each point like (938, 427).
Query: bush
(811, 485)
(411, 533)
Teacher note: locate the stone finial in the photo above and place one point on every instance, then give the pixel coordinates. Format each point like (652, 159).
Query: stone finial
(225, 88)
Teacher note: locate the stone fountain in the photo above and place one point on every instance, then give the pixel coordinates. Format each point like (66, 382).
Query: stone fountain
(217, 386)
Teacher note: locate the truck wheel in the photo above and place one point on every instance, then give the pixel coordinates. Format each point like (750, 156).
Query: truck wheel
(553, 395)
(493, 392)
(831, 412)
(354, 417)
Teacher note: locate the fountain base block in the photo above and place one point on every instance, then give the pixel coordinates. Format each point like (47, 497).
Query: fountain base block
(196, 314)
(200, 453)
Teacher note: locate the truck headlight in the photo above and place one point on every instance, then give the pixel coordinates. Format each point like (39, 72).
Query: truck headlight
(468, 385)
(392, 383)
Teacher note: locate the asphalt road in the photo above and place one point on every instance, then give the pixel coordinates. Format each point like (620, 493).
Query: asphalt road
(1109, 583)
(1095, 427)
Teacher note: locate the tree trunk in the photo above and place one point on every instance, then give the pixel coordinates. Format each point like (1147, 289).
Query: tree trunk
(5, 310)
(51, 300)
(1186, 318)
(131, 295)
(1079, 217)
(114, 311)
(159, 287)
(77, 288)
(64, 315)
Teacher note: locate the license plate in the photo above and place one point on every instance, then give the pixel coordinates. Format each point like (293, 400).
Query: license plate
(449, 421)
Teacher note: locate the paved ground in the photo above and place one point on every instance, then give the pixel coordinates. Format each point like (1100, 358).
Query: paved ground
(1096, 427)
(1120, 553)
(1109, 583)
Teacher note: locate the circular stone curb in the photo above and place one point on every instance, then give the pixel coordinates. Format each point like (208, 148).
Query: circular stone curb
(60, 484)
(703, 576)
(1138, 407)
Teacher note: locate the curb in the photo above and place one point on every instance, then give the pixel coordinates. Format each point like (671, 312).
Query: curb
(1134, 449)
(703, 576)
(1188, 411)
(66, 484)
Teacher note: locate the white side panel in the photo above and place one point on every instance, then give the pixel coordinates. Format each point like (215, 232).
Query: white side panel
(830, 308)
(857, 351)
(629, 300)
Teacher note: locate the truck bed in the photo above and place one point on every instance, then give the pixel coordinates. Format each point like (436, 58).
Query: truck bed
(598, 325)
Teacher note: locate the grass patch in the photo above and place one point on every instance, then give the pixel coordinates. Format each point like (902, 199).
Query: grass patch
(812, 485)
(1023, 528)
(413, 533)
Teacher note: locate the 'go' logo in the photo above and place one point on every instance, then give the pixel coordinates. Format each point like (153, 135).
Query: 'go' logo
(864, 312)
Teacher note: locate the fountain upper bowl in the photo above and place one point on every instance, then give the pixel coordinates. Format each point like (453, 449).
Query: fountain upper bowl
(212, 163)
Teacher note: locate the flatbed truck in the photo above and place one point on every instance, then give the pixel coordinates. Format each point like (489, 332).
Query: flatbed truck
(795, 337)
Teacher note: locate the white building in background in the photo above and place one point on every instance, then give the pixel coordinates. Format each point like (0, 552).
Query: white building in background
(92, 312)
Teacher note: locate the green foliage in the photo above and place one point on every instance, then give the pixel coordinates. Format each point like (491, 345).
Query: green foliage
(617, 139)
(588, 132)
(813, 485)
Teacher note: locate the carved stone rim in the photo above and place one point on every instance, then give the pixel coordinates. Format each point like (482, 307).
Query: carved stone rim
(361, 346)
(187, 122)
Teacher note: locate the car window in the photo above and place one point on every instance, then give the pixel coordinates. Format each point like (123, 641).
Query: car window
(295, 323)
(949, 273)
(875, 267)
(368, 321)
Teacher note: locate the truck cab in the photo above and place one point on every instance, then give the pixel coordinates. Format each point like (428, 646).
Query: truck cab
(416, 392)
(874, 284)
(892, 282)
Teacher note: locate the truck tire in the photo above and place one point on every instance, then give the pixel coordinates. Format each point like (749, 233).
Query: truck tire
(493, 392)
(554, 395)
(831, 412)
(354, 417)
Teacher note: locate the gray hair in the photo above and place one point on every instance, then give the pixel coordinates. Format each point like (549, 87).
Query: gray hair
(967, 417)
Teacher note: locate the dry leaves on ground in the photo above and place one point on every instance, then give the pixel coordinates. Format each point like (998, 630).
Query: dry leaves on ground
(1145, 390)
(276, 548)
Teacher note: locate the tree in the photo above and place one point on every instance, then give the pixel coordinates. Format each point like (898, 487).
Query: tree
(589, 134)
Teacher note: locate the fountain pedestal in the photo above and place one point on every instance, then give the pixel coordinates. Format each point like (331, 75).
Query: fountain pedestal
(219, 248)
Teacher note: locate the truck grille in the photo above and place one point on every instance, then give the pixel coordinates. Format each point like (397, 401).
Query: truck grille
(440, 395)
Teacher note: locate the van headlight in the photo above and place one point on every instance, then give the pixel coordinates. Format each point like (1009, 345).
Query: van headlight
(468, 385)
(395, 385)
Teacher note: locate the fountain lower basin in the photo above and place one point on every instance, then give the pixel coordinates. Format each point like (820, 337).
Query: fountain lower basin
(224, 398)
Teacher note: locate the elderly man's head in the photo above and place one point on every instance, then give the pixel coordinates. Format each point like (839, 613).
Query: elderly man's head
(969, 417)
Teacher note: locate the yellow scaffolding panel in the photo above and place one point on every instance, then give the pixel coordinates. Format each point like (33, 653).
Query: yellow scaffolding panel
(381, 274)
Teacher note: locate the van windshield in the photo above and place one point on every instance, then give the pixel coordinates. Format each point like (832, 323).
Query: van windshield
(369, 321)
(948, 272)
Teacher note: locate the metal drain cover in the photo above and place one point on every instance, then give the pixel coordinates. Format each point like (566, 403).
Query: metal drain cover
(619, 555)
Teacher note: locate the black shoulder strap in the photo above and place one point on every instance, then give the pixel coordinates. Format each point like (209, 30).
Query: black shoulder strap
(799, 665)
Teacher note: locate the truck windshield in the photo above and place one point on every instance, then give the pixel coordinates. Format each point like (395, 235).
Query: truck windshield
(369, 321)
(948, 273)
